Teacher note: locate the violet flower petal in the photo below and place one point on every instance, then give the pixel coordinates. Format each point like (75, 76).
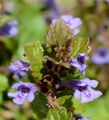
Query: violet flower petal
(91, 83)
(19, 99)
(30, 97)
(77, 94)
(13, 31)
(16, 85)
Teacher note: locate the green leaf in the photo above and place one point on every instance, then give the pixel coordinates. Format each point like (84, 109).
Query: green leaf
(66, 101)
(39, 106)
(61, 114)
(53, 114)
(64, 115)
(60, 37)
(80, 45)
(62, 99)
(34, 54)
(58, 34)
(78, 75)
(3, 82)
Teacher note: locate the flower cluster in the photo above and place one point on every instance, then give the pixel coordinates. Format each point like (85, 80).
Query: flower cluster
(83, 88)
(52, 70)
(9, 29)
(25, 90)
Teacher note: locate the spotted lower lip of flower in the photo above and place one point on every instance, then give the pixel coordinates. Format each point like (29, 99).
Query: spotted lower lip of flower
(83, 89)
(79, 62)
(73, 23)
(19, 67)
(25, 92)
(102, 56)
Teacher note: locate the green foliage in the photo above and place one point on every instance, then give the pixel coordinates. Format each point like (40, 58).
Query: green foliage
(80, 45)
(41, 111)
(62, 114)
(62, 99)
(3, 82)
(31, 25)
(34, 54)
(66, 101)
(39, 106)
(78, 75)
(58, 34)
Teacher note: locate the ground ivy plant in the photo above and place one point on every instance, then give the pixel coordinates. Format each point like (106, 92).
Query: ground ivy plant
(55, 73)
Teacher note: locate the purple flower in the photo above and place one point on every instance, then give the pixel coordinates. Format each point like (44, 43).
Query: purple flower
(25, 92)
(106, 1)
(79, 63)
(53, 10)
(19, 67)
(73, 23)
(83, 89)
(52, 5)
(79, 117)
(102, 56)
(9, 29)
